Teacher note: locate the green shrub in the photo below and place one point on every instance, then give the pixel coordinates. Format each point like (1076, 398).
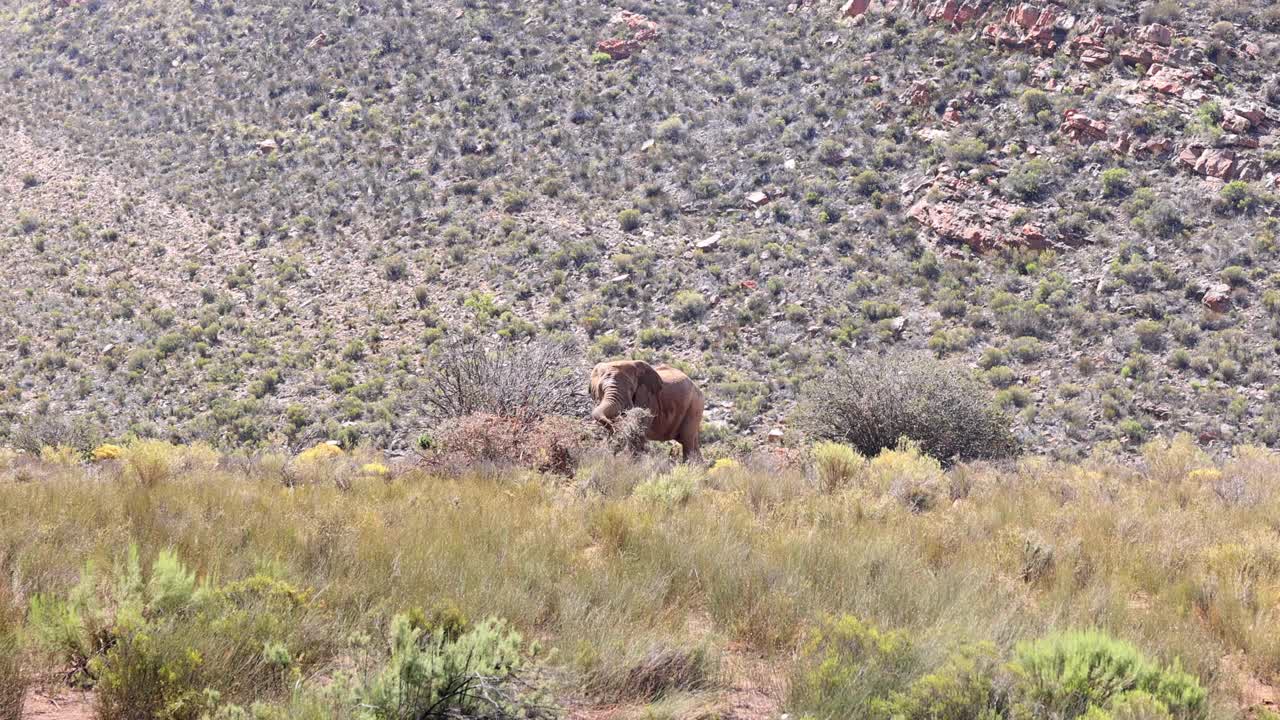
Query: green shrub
(163, 645)
(433, 676)
(1069, 674)
(870, 403)
(688, 305)
(1034, 101)
(671, 129)
(1116, 182)
(629, 219)
(910, 477)
(867, 182)
(848, 669)
(966, 151)
(670, 488)
(964, 687)
(1237, 196)
(836, 465)
(1029, 180)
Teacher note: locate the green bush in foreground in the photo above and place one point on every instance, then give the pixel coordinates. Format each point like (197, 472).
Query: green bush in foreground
(850, 669)
(1072, 674)
(164, 645)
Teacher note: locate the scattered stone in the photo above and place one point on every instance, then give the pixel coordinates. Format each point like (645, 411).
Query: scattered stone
(1129, 144)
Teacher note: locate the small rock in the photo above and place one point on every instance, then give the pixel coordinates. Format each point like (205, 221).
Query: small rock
(708, 242)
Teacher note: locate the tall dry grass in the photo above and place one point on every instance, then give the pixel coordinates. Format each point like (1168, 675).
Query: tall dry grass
(640, 598)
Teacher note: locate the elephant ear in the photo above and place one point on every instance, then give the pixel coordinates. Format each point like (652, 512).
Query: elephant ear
(648, 387)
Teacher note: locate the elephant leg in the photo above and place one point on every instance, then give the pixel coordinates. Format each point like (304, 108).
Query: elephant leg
(688, 438)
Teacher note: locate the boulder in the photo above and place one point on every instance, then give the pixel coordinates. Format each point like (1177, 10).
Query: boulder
(1165, 79)
(1095, 56)
(1033, 236)
(1217, 297)
(1156, 34)
(758, 198)
(1082, 128)
(1221, 163)
(854, 8)
(919, 94)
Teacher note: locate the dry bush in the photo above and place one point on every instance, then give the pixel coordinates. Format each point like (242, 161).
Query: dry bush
(871, 403)
(1171, 461)
(627, 436)
(654, 674)
(612, 475)
(481, 442)
(1248, 477)
(528, 380)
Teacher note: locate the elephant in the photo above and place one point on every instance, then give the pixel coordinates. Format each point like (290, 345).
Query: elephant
(676, 403)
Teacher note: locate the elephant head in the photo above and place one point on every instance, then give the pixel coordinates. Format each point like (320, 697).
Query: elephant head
(617, 387)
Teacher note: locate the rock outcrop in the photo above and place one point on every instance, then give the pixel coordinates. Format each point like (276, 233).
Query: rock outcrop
(642, 32)
(1082, 128)
(1221, 163)
(960, 211)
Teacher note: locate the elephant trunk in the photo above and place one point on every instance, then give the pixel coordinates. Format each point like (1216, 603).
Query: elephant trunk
(610, 406)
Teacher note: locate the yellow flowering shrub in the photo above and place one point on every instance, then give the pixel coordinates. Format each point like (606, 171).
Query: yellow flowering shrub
(319, 453)
(725, 465)
(107, 451)
(375, 469)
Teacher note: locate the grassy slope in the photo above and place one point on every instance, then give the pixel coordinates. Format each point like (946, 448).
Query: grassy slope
(477, 154)
(742, 569)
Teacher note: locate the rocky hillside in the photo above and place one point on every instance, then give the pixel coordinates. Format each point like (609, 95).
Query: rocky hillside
(252, 222)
